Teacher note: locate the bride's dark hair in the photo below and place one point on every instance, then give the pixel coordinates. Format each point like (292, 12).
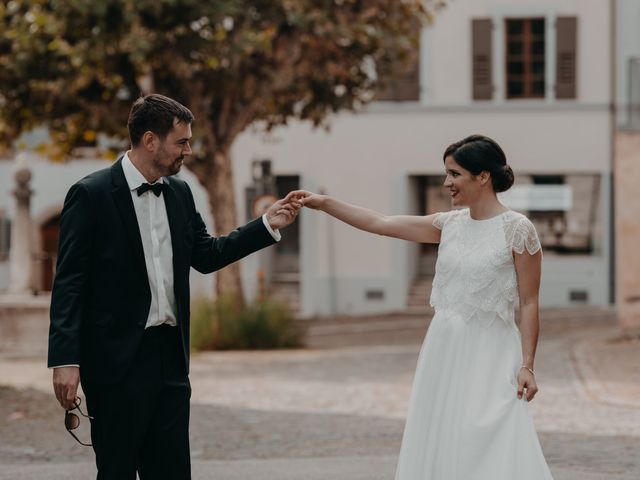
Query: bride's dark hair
(478, 153)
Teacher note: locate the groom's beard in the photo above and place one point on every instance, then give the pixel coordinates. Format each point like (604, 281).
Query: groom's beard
(165, 165)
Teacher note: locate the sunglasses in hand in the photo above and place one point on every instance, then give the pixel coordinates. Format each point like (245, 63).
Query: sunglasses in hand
(72, 421)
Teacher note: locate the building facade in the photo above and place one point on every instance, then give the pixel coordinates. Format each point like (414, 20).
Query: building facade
(534, 75)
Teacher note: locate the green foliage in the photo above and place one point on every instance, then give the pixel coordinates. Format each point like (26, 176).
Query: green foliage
(221, 325)
(76, 66)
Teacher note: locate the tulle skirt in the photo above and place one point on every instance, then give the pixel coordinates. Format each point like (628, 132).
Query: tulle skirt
(465, 421)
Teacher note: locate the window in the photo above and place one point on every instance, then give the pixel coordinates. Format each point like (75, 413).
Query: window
(525, 58)
(564, 209)
(523, 66)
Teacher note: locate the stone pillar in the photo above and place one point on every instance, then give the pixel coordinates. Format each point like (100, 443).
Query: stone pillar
(627, 231)
(20, 280)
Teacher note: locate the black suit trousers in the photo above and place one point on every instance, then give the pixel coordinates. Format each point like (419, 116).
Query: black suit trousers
(141, 424)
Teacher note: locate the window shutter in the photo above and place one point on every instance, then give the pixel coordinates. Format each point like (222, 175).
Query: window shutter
(566, 46)
(481, 58)
(406, 88)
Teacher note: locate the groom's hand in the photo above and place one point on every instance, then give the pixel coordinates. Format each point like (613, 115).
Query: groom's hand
(282, 213)
(65, 385)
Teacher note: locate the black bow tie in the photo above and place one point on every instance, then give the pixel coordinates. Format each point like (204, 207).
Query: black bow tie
(156, 188)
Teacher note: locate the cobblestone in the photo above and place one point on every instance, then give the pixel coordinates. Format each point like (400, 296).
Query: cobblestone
(339, 412)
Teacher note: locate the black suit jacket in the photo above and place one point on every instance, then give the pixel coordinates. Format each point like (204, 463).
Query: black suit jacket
(101, 296)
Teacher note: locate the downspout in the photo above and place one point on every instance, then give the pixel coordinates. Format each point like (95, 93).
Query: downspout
(612, 150)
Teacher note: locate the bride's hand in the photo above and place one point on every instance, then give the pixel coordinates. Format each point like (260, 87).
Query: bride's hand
(527, 381)
(308, 199)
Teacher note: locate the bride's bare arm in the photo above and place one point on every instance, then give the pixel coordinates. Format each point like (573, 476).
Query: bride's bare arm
(528, 270)
(414, 228)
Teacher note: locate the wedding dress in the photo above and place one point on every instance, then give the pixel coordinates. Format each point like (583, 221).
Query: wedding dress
(465, 421)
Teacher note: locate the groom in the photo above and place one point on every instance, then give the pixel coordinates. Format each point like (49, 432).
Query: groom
(129, 235)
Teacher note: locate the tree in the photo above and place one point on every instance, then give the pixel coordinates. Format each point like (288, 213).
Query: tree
(77, 65)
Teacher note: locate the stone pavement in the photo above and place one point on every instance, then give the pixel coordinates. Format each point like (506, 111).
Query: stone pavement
(340, 468)
(337, 413)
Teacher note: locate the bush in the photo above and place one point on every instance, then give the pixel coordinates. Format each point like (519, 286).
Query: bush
(221, 325)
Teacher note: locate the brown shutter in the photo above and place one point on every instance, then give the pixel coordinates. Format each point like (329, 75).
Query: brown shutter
(566, 46)
(481, 58)
(406, 88)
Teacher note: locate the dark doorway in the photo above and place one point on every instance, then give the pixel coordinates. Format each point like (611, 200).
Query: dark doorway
(432, 198)
(288, 249)
(49, 233)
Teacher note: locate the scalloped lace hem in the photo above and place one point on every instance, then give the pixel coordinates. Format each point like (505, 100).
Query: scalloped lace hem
(484, 316)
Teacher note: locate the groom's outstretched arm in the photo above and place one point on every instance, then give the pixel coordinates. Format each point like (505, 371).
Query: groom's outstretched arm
(213, 253)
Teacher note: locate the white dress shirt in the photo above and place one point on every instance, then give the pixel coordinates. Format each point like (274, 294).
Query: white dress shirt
(156, 243)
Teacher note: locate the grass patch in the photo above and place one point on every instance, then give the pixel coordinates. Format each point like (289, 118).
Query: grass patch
(221, 325)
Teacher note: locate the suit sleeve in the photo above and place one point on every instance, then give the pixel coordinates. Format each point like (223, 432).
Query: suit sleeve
(72, 271)
(213, 253)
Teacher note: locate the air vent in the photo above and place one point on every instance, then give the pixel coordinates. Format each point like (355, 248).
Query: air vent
(579, 296)
(374, 294)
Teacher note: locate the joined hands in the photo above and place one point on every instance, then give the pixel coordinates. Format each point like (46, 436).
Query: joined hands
(283, 212)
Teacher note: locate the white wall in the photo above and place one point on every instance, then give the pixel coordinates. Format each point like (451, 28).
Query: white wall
(367, 160)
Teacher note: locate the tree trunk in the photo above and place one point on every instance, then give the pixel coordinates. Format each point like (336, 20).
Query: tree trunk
(217, 178)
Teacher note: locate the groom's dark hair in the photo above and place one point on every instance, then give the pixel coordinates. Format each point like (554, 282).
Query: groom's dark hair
(155, 113)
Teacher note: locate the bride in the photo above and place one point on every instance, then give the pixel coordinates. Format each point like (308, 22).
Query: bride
(468, 416)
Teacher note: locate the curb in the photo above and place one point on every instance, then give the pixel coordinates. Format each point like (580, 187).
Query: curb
(598, 390)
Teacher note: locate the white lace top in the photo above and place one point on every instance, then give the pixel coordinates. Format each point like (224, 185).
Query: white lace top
(475, 273)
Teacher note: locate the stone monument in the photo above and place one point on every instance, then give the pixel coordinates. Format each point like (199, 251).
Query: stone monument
(20, 279)
(24, 322)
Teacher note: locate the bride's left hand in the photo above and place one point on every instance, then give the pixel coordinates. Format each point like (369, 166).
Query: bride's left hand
(527, 381)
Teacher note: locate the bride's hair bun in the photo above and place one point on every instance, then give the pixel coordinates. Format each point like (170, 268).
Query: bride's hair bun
(502, 179)
(478, 153)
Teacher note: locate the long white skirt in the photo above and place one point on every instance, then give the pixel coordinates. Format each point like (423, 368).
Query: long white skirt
(465, 421)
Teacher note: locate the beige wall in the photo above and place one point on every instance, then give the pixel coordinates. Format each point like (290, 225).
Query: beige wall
(627, 198)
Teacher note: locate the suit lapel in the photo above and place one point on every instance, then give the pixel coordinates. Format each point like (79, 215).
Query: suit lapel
(122, 197)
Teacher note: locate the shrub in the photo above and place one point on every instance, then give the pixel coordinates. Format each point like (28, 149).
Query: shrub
(221, 325)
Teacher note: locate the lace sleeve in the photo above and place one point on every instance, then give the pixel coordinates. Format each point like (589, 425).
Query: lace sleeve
(440, 219)
(524, 236)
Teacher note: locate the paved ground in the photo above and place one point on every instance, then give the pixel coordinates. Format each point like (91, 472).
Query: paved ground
(338, 412)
